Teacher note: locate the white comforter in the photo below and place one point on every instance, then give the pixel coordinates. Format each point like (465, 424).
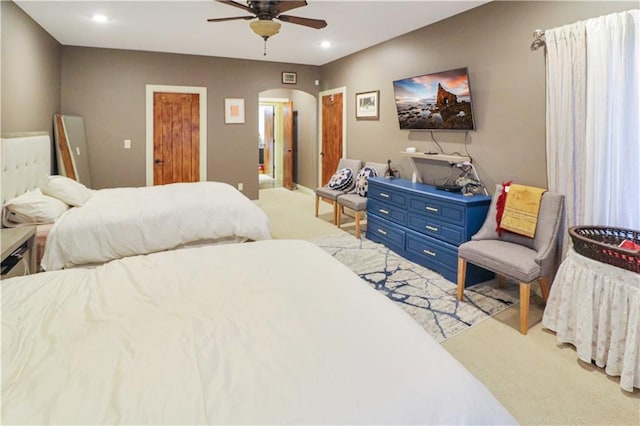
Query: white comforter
(122, 222)
(270, 332)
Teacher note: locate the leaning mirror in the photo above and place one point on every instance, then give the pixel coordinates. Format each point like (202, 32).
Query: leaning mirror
(71, 148)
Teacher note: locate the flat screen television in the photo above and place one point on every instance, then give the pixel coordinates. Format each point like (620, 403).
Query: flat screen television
(437, 101)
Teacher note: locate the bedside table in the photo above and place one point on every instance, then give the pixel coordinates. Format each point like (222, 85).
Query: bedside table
(13, 239)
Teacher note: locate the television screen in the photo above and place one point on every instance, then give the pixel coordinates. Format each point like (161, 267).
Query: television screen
(438, 101)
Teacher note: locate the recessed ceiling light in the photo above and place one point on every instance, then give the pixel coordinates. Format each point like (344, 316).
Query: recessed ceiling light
(100, 18)
(326, 44)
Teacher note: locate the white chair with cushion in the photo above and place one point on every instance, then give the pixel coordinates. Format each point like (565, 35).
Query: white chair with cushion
(515, 256)
(341, 182)
(356, 200)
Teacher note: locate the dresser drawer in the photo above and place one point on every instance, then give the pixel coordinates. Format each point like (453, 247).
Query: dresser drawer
(386, 194)
(388, 211)
(432, 251)
(431, 207)
(385, 232)
(436, 228)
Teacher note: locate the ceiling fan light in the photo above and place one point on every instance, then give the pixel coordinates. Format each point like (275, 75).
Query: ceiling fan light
(265, 28)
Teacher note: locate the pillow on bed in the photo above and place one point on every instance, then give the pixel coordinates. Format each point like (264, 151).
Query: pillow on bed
(65, 189)
(32, 208)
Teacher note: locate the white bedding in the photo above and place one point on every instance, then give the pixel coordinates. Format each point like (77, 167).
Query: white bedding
(122, 222)
(270, 332)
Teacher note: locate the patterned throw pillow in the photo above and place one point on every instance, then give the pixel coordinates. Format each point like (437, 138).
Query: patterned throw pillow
(362, 183)
(342, 180)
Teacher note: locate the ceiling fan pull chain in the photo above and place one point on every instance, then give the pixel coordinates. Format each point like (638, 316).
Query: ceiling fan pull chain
(265, 47)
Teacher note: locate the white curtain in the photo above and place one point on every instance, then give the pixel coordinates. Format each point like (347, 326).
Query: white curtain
(593, 138)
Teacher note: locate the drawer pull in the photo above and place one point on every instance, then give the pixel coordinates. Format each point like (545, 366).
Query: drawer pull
(432, 209)
(382, 231)
(383, 211)
(430, 253)
(432, 228)
(382, 194)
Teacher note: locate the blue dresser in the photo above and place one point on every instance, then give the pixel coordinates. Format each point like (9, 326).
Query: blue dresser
(425, 225)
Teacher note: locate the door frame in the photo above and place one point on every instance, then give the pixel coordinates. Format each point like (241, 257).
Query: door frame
(343, 91)
(202, 92)
(278, 154)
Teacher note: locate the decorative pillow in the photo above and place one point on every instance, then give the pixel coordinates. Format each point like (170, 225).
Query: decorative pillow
(362, 182)
(342, 180)
(32, 208)
(65, 189)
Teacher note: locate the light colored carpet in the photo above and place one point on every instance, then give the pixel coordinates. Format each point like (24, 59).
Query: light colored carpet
(291, 214)
(540, 381)
(424, 294)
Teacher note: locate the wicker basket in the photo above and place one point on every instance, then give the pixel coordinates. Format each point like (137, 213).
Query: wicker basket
(601, 243)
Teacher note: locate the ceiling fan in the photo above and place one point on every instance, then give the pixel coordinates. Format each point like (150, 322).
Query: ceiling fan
(263, 13)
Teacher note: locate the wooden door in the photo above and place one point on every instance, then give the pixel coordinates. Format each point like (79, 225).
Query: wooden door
(269, 141)
(287, 140)
(331, 151)
(176, 137)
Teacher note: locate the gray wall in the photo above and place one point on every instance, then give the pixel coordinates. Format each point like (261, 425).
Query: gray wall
(30, 89)
(307, 107)
(107, 87)
(507, 82)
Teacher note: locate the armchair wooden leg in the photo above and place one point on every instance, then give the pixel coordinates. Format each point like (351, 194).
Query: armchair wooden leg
(317, 203)
(339, 212)
(335, 212)
(501, 280)
(544, 288)
(525, 293)
(358, 224)
(462, 276)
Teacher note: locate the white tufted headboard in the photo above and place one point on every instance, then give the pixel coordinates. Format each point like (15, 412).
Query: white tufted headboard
(25, 159)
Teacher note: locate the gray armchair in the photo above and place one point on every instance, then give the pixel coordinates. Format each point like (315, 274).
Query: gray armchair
(331, 195)
(514, 256)
(356, 202)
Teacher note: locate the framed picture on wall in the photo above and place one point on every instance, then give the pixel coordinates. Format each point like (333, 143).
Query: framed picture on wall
(368, 105)
(233, 111)
(289, 77)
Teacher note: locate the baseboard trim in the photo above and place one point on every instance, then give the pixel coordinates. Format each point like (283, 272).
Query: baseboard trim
(305, 190)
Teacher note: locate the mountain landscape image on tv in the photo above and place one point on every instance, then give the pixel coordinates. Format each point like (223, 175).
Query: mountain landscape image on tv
(437, 101)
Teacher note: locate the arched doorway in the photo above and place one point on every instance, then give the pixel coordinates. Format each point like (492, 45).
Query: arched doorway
(273, 145)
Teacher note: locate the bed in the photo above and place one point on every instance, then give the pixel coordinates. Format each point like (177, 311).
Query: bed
(113, 223)
(272, 332)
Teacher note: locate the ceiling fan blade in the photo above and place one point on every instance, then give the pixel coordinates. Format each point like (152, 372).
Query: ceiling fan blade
(285, 6)
(236, 4)
(307, 22)
(233, 18)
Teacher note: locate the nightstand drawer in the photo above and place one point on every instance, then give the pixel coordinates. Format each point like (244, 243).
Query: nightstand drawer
(387, 211)
(18, 269)
(436, 228)
(385, 194)
(18, 251)
(435, 208)
(385, 232)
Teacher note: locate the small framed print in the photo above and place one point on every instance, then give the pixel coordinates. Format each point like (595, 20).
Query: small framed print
(289, 77)
(367, 105)
(233, 111)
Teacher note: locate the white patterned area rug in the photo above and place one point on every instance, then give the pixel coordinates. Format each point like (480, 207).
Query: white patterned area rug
(424, 294)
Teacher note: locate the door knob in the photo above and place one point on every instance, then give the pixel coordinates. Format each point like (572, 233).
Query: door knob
(158, 161)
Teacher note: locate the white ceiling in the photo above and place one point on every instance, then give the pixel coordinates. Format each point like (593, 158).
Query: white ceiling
(181, 27)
